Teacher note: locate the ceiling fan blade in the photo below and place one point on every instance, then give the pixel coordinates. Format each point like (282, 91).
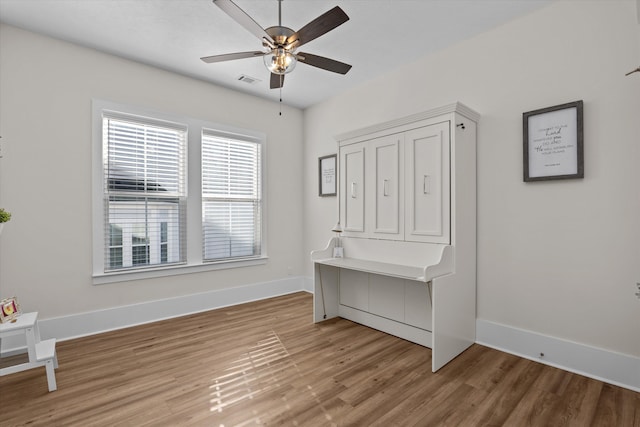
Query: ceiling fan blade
(277, 81)
(324, 63)
(241, 17)
(319, 26)
(231, 56)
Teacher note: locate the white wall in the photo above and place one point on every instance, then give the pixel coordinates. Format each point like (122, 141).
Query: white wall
(45, 173)
(558, 258)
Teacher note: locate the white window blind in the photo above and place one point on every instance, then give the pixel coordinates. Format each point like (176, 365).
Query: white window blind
(144, 192)
(231, 197)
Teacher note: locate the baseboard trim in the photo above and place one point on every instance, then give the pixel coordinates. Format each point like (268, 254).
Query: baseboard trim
(90, 323)
(308, 280)
(603, 365)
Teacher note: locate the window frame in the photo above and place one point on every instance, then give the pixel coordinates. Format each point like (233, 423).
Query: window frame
(194, 241)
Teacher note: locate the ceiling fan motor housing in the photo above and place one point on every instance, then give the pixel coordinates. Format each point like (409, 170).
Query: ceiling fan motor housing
(281, 59)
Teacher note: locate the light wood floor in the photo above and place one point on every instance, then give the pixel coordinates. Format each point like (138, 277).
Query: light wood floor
(265, 363)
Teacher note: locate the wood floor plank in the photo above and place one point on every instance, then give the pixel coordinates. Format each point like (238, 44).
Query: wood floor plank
(266, 363)
(616, 407)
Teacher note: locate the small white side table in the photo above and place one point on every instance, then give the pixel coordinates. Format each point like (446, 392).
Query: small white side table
(41, 353)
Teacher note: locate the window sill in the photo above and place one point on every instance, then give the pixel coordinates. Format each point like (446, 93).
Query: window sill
(175, 270)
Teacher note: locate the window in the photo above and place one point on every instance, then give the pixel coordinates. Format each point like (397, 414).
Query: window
(155, 214)
(231, 197)
(115, 246)
(144, 191)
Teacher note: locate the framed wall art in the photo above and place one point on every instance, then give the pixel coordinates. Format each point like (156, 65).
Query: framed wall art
(553, 143)
(9, 309)
(327, 166)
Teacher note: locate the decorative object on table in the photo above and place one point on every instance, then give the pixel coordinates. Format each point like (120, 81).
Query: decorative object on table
(9, 309)
(338, 250)
(327, 175)
(4, 217)
(553, 142)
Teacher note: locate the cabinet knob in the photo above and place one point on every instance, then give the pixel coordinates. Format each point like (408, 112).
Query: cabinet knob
(426, 184)
(354, 190)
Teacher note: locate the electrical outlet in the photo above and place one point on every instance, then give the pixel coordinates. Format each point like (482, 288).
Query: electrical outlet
(638, 293)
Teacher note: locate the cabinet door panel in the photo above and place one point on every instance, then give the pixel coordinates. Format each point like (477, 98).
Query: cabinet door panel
(428, 181)
(386, 297)
(385, 168)
(352, 187)
(354, 289)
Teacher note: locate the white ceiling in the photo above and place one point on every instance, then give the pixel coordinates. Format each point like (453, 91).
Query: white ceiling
(174, 34)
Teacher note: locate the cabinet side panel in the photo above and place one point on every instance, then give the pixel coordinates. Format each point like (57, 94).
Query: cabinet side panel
(417, 304)
(325, 292)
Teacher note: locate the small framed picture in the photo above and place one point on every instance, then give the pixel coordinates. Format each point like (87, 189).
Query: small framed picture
(9, 309)
(327, 175)
(553, 143)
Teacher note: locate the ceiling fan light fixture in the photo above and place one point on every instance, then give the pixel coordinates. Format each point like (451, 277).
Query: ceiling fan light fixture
(280, 61)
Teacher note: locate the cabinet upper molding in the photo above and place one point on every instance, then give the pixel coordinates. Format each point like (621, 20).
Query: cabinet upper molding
(456, 107)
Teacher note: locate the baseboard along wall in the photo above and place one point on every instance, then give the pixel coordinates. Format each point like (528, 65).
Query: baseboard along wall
(603, 365)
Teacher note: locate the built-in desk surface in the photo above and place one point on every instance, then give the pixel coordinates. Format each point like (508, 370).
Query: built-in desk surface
(382, 268)
(419, 262)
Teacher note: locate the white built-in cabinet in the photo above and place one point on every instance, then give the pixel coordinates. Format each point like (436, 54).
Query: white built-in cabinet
(397, 186)
(407, 207)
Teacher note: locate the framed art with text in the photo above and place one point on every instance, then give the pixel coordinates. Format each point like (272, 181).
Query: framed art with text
(553, 143)
(327, 175)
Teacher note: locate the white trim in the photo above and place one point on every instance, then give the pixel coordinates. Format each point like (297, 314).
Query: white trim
(174, 270)
(110, 319)
(307, 284)
(614, 368)
(456, 107)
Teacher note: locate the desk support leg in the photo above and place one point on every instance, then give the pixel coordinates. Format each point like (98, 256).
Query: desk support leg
(51, 375)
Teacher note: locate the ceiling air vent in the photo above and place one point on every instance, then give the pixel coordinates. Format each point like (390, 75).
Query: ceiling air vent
(248, 79)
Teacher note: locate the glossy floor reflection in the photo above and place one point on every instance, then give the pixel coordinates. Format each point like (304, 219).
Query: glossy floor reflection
(263, 372)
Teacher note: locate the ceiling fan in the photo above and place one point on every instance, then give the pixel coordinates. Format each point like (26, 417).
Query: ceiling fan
(281, 42)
